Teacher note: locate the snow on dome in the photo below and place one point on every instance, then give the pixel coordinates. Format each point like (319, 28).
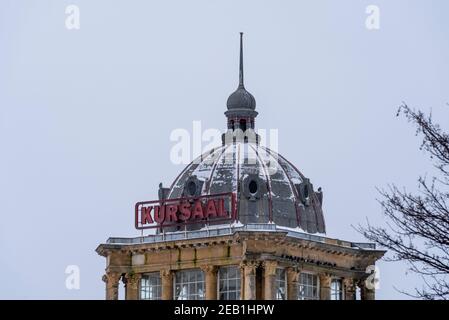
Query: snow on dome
(268, 187)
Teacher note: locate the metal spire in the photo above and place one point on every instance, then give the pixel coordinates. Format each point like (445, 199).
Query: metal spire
(241, 85)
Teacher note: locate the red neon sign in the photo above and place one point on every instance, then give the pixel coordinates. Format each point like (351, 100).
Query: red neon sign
(175, 212)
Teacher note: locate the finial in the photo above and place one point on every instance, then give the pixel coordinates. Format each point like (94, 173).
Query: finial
(241, 85)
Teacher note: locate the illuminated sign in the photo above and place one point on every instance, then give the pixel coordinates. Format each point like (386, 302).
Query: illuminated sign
(175, 212)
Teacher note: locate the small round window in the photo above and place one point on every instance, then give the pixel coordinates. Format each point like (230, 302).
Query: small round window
(191, 188)
(252, 187)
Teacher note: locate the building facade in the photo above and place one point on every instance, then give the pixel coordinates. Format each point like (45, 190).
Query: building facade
(239, 222)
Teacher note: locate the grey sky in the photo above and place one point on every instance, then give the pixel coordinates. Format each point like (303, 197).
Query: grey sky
(85, 116)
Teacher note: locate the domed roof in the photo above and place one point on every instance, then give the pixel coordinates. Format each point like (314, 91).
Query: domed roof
(241, 99)
(267, 186)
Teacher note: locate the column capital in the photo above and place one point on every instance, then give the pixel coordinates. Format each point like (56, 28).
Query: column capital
(292, 282)
(249, 276)
(250, 266)
(166, 273)
(210, 275)
(209, 268)
(293, 273)
(111, 278)
(325, 278)
(349, 283)
(325, 286)
(167, 285)
(270, 267)
(270, 279)
(112, 281)
(132, 279)
(349, 286)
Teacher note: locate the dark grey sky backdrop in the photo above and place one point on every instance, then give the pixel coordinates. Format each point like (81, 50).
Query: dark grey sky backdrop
(85, 116)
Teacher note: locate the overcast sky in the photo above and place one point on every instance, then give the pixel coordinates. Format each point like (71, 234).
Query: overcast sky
(86, 115)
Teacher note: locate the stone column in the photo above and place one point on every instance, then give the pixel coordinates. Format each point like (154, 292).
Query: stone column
(349, 287)
(211, 281)
(132, 281)
(270, 279)
(325, 286)
(112, 281)
(292, 283)
(249, 270)
(167, 284)
(242, 282)
(366, 292)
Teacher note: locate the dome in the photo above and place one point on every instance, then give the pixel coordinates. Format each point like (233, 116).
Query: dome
(241, 99)
(268, 187)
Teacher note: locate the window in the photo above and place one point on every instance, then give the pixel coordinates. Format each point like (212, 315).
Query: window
(243, 124)
(150, 286)
(252, 187)
(189, 285)
(308, 286)
(281, 284)
(336, 289)
(229, 283)
(191, 188)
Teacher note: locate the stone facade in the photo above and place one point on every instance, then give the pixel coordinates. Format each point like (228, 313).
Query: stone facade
(258, 254)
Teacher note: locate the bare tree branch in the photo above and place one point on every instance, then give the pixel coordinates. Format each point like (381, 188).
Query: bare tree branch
(417, 228)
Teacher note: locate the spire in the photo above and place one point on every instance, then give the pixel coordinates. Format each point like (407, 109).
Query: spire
(241, 101)
(241, 85)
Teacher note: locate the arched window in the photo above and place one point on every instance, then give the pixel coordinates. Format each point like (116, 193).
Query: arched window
(243, 124)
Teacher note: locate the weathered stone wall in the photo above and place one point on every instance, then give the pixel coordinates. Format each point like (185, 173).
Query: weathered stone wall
(257, 253)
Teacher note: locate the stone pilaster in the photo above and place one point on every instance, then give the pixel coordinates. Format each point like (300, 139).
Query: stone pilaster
(325, 286)
(242, 282)
(111, 280)
(349, 287)
(211, 281)
(132, 285)
(249, 274)
(270, 279)
(292, 283)
(167, 284)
